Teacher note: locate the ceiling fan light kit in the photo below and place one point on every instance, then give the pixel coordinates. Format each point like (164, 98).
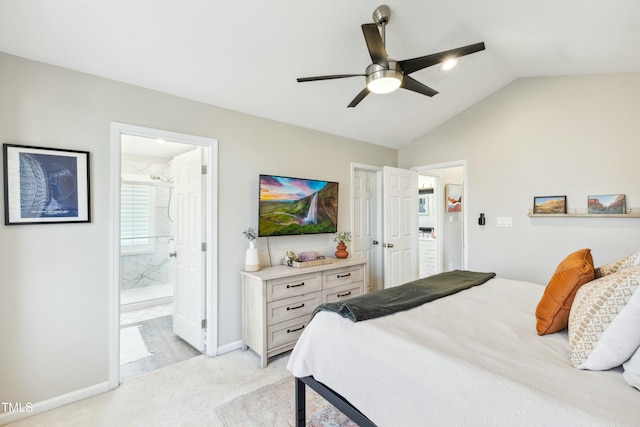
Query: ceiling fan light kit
(385, 75)
(380, 80)
(448, 64)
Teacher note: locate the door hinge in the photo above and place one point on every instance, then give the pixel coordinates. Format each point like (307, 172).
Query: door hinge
(204, 169)
(203, 323)
(204, 246)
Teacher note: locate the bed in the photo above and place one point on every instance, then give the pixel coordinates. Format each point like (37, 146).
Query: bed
(473, 358)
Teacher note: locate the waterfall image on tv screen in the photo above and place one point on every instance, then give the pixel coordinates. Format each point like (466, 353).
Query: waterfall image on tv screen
(297, 206)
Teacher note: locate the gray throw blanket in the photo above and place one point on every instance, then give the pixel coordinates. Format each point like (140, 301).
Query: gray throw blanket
(406, 296)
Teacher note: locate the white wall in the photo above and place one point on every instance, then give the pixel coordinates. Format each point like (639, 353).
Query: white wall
(54, 277)
(571, 136)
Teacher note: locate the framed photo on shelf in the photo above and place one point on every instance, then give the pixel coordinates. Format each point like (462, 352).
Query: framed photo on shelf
(609, 204)
(550, 205)
(45, 185)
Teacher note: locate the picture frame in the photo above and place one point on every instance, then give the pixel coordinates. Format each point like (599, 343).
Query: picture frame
(423, 204)
(606, 204)
(454, 197)
(543, 205)
(45, 185)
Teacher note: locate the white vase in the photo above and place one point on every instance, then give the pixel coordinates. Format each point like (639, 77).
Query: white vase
(252, 260)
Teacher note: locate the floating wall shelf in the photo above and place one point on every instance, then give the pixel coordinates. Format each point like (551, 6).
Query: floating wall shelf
(633, 213)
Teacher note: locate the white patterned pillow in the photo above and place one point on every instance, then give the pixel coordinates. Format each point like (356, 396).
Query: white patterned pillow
(612, 267)
(632, 370)
(604, 322)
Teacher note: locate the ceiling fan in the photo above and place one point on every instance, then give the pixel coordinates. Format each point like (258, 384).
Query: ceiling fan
(385, 75)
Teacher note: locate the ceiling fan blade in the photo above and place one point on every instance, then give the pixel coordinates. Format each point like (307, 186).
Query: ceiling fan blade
(375, 45)
(334, 76)
(359, 97)
(412, 84)
(411, 65)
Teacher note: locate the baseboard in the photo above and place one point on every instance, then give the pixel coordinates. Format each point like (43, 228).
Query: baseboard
(54, 402)
(124, 308)
(229, 347)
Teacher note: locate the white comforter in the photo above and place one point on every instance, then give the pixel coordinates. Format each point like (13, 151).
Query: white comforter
(471, 359)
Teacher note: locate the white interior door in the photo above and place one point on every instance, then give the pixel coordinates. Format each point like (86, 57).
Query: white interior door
(188, 312)
(366, 230)
(400, 226)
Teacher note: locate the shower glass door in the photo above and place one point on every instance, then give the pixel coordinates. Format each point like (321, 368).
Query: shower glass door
(146, 242)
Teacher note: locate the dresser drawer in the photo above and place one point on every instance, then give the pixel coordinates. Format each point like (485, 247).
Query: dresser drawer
(343, 276)
(343, 292)
(290, 308)
(286, 332)
(292, 286)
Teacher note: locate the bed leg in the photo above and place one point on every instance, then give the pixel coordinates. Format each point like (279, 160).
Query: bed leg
(300, 403)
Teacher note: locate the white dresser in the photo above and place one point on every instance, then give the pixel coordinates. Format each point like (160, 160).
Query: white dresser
(428, 257)
(277, 302)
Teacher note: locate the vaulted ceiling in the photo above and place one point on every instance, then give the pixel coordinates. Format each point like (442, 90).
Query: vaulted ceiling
(246, 55)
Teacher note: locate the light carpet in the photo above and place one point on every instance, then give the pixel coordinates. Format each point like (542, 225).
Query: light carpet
(185, 394)
(274, 405)
(132, 346)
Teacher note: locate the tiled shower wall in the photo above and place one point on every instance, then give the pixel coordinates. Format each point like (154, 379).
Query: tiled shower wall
(156, 268)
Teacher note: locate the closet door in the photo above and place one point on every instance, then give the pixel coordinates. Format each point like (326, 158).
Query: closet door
(366, 230)
(400, 226)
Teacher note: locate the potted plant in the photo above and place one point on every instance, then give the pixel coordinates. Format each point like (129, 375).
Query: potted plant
(341, 237)
(252, 260)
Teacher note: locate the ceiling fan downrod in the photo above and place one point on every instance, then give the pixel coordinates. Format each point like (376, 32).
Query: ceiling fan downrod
(381, 17)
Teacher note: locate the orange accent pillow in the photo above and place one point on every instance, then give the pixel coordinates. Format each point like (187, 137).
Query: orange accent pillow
(552, 313)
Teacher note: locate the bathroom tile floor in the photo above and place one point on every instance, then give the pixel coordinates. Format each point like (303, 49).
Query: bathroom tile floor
(155, 324)
(163, 346)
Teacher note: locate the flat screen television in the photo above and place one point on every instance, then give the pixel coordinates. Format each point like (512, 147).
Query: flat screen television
(290, 206)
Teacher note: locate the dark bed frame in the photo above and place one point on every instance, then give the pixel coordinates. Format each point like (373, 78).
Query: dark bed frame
(332, 397)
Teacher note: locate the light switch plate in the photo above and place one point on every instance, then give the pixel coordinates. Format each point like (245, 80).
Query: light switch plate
(505, 221)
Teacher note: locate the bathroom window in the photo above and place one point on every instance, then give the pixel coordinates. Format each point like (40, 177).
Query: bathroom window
(136, 220)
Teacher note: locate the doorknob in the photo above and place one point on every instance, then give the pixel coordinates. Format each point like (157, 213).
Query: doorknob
(388, 245)
(375, 242)
(173, 254)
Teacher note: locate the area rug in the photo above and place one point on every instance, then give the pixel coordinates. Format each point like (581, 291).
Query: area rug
(274, 405)
(132, 346)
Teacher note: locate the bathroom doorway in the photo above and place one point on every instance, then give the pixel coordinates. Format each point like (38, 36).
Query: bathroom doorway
(162, 313)
(148, 279)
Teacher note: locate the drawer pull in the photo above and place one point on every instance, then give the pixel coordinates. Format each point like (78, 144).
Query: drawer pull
(344, 275)
(295, 286)
(295, 330)
(344, 295)
(295, 308)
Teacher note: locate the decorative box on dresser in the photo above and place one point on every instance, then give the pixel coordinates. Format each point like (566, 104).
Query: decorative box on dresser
(277, 302)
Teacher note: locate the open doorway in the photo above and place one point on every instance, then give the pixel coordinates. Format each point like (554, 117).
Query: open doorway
(149, 223)
(449, 228)
(163, 251)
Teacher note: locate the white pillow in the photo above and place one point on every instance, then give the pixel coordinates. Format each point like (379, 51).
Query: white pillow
(604, 322)
(632, 370)
(612, 267)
